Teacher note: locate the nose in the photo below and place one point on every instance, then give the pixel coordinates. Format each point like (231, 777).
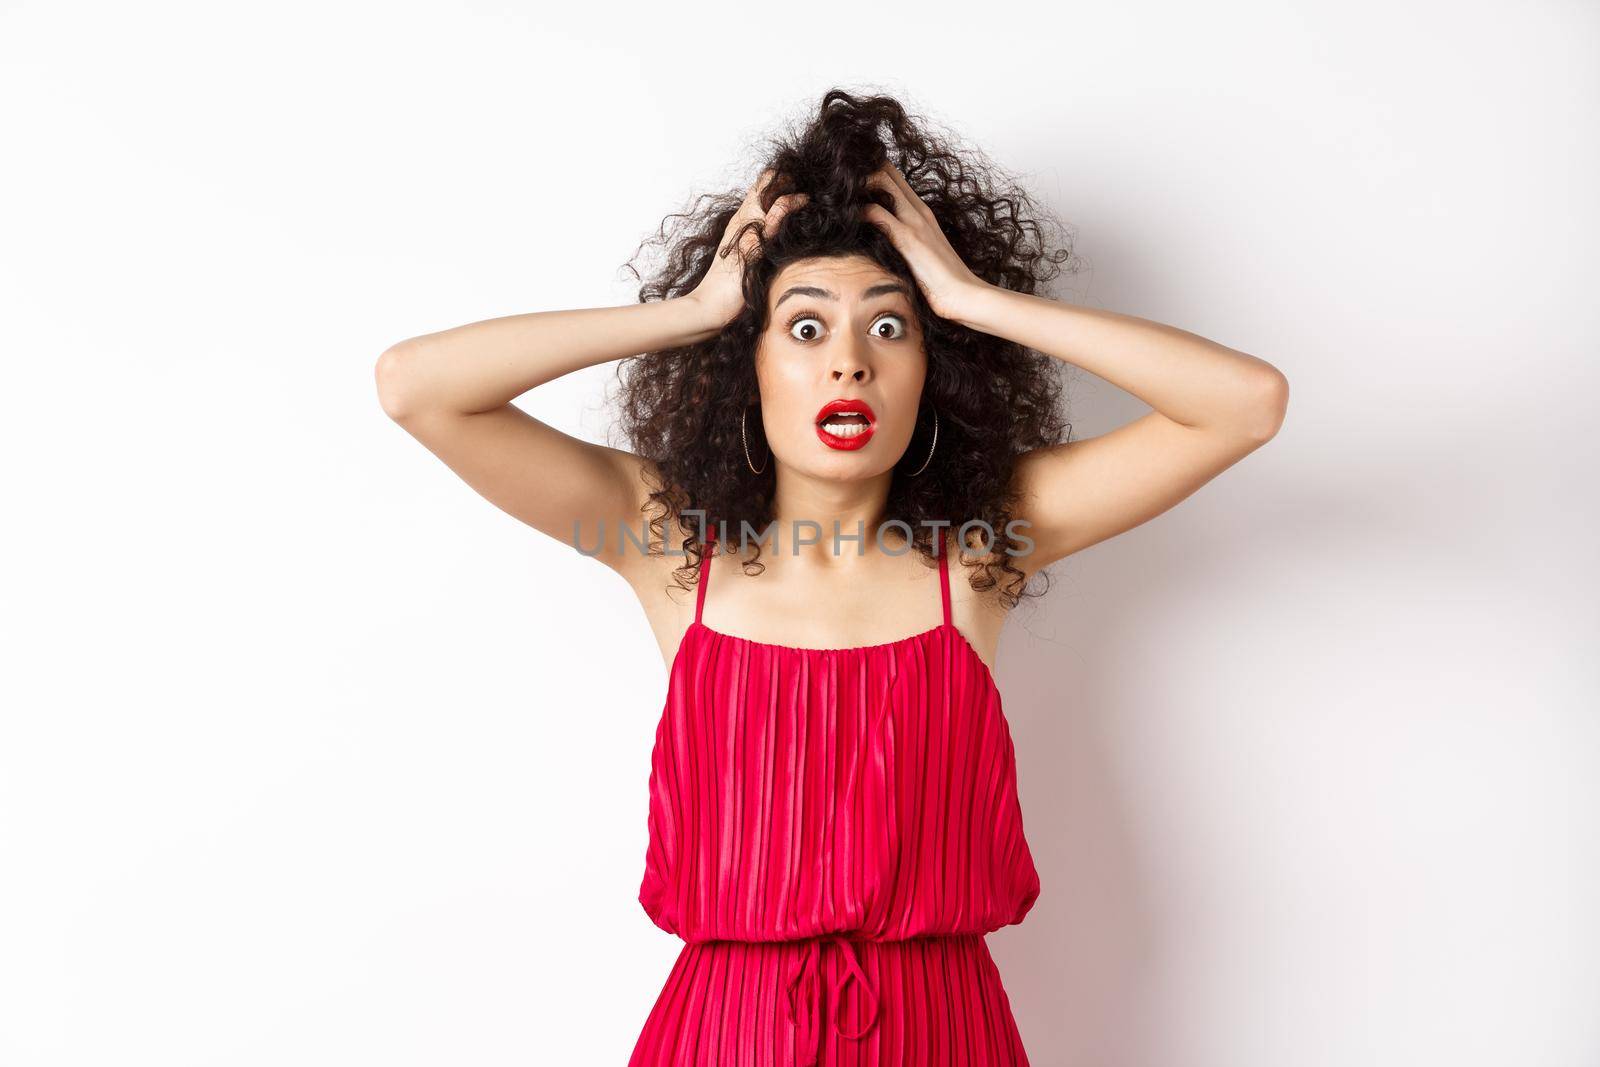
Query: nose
(849, 362)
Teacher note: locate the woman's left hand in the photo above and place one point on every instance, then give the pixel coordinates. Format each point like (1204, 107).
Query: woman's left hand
(945, 281)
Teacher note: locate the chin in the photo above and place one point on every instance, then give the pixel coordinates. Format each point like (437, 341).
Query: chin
(842, 466)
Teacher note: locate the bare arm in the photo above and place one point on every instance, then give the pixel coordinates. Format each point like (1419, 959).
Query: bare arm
(1213, 405)
(452, 391)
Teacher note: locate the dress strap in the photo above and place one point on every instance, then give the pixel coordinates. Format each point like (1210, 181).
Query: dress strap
(704, 577)
(944, 577)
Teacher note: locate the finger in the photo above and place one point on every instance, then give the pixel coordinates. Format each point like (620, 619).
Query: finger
(767, 177)
(783, 205)
(900, 182)
(902, 208)
(886, 221)
(880, 181)
(780, 207)
(750, 207)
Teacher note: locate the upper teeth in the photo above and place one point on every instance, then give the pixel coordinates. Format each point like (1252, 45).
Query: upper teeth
(839, 427)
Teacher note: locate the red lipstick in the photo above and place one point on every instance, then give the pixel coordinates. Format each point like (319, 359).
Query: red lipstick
(846, 433)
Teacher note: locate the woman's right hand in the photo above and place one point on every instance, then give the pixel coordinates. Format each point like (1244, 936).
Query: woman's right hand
(720, 294)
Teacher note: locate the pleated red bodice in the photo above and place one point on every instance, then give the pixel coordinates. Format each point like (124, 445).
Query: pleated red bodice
(863, 793)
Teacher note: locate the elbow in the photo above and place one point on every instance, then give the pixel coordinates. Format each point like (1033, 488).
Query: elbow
(394, 381)
(1270, 404)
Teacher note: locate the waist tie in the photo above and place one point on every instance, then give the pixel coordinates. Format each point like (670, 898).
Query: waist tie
(808, 1025)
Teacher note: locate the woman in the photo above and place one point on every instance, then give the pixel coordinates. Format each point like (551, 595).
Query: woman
(852, 361)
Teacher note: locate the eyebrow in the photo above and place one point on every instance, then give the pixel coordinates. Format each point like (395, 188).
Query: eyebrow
(880, 289)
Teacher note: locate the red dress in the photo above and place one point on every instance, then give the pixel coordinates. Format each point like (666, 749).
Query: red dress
(832, 832)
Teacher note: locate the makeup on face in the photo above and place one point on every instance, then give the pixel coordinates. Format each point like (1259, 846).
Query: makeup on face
(845, 424)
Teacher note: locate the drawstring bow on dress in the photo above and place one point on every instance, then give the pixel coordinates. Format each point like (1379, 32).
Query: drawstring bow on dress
(808, 1024)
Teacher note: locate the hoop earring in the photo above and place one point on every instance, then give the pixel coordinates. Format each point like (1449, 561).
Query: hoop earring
(746, 442)
(931, 447)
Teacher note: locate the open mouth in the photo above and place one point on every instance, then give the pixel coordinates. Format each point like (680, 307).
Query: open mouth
(845, 424)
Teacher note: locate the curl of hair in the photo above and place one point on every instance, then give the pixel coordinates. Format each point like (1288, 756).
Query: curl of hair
(681, 409)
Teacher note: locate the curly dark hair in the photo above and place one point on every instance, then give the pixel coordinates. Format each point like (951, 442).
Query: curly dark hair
(681, 408)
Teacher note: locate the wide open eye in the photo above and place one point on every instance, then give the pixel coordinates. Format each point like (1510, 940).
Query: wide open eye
(800, 321)
(806, 326)
(877, 327)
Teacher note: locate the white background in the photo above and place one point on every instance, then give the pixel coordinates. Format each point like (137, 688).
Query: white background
(310, 756)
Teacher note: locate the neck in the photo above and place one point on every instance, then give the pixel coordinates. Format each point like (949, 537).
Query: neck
(828, 518)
